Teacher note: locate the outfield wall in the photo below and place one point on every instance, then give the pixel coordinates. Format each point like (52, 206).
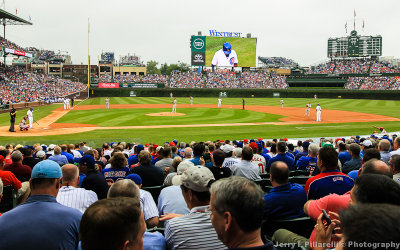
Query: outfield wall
(247, 93)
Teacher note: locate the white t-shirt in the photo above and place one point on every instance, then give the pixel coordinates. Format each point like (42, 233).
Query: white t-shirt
(259, 160)
(220, 59)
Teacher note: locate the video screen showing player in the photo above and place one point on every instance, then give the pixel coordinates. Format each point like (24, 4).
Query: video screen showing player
(225, 57)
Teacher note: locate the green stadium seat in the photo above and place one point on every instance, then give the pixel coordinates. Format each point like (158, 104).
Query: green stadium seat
(299, 179)
(9, 199)
(154, 191)
(302, 226)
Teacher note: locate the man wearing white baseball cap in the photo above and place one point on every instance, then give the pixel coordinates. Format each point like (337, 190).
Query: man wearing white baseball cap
(41, 222)
(194, 230)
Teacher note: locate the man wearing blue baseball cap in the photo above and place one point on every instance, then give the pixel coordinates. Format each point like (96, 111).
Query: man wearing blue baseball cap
(225, 57)
(41, 222)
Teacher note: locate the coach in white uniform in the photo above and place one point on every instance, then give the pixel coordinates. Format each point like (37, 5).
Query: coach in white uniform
(318, 109)
(29, 114)
(225, 57)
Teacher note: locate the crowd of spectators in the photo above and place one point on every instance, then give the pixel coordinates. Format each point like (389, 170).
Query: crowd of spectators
(18, 85)
(382, 67)
(211, 195)
(217, 79)
(358, 66)
(373, 83)
(222, 79)
(8, 44)
(278, 61)
(186, 80)
(381, 83)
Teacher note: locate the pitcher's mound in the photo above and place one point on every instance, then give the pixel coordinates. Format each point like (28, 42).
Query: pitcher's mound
(166, 114)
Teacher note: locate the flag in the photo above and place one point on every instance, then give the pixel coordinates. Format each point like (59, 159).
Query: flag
(355, 13)
(345, 26)
(30, 18)
(363, 24)
(16, 11)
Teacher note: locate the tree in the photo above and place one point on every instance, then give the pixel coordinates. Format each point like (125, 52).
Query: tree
(164, 69)
(151, 68)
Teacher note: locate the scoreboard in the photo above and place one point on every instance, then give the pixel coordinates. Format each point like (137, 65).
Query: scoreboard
(355, 46)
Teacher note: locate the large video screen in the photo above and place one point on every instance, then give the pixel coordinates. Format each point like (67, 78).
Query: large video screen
(237, 52)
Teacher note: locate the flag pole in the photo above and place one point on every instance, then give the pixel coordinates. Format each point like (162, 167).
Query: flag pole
(354, 19)
(88, 59)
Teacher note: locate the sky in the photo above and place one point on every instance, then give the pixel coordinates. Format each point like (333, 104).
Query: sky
(160, 30)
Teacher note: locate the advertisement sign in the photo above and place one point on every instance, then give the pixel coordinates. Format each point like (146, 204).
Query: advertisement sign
(198, 43)
(108, 85)
(17, 52)
(198, 58)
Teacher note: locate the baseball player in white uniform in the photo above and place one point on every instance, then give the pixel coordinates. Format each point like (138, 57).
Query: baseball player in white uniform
(225, 57)
(219, 102)
(68, 103)
(315, 96)
(107, 103)
(29, 114)
(174, 105)
(318, 109)
(308, 107)
(65, 103)
(282, 102)
(191, 100)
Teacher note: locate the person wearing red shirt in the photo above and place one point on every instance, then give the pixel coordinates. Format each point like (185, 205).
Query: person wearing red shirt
(22, 172)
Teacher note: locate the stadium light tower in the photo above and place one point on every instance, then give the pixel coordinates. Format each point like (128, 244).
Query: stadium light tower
(7, 18)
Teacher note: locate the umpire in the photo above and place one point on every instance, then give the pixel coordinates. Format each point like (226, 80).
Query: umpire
(12, 119)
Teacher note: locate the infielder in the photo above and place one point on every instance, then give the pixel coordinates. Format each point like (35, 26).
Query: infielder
(219, 102)
(107, 103)
(174, 105)
(308, 107)
(29, 114)
(65, 103)
(191, 100)
(282, 102)
(225, 57)
(318, 109)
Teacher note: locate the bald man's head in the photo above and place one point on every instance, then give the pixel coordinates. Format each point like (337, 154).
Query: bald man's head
(124, 188)
(70, 175)
(375, 166)
(279, 172)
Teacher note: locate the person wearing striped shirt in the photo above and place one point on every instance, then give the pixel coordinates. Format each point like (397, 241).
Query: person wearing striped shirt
(193, 230)
(70, 194)
(147, 203)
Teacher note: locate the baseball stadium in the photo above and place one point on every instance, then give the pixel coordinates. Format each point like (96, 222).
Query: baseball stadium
(226, 132)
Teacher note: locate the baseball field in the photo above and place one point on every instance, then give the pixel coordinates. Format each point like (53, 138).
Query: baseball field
(148, 119)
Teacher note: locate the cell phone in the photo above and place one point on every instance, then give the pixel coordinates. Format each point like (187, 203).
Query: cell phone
(326, 217)
(328, 220)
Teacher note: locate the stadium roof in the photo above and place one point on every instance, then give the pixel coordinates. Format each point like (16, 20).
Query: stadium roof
(10, 19)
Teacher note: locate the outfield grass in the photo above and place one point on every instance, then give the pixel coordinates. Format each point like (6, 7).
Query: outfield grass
(95, 138)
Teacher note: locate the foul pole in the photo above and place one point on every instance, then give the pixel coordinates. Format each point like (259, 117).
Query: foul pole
(88, 77)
